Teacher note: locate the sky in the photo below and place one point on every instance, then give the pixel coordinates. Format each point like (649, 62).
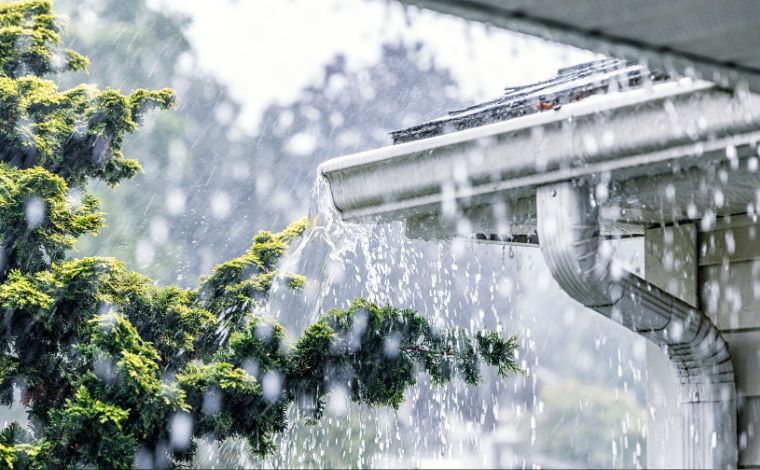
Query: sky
(283, 45)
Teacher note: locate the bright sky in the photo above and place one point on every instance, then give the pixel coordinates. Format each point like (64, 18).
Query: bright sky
(282, 45)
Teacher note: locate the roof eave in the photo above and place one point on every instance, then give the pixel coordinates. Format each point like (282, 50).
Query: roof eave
(727, 74)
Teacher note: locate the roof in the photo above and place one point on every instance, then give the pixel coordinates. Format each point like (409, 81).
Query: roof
(571, 84)
(704, 39)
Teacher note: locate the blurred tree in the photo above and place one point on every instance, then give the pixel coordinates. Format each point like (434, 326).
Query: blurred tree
(208, 184)
(609, 432)
(174, 221)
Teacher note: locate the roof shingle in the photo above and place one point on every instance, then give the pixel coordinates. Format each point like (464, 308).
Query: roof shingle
(570, 84)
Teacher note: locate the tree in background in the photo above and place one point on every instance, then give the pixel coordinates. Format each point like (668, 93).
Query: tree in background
(208, 184)
(116, 371)
(573, 438)
(192, 156)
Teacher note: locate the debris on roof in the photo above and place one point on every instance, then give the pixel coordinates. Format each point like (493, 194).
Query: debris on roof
(570, 84)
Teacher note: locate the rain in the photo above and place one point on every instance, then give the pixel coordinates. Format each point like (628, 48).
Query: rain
(600, 208)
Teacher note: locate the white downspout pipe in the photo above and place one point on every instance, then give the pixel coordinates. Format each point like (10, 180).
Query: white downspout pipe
(568, 233)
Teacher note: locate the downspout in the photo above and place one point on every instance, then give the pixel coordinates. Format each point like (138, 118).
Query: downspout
(568, 233)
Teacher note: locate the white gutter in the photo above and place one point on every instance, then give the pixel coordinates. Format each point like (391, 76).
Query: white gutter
(626, 133)
(568, 227)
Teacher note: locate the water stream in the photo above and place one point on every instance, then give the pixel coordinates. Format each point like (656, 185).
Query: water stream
(321, 256)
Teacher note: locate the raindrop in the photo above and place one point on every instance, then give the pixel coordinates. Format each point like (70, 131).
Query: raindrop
(691, 210)
(730, 243)
(392, 345)
(719, 198)
(301, 144)
(670, 192)
(144, 252)
(752, 164)
(337, 404)
(104, 369)
(733, 157)
(34, 210)
(601, 192)
(220, 205)
(271, 385)
(159, 230)
(181, 431)
(708, 220)
(175, 201)
(212, 401)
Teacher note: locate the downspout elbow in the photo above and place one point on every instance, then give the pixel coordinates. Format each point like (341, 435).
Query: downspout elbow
(568, 232)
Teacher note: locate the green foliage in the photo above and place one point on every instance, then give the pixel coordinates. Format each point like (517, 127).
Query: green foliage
(16, 451)
(237, 283)
(497, 351)
(7, 374)
(234, 405)
(39, 221)
(29, 41)
(378, 351)
(111, 363)
(75, 134)
(87, 431)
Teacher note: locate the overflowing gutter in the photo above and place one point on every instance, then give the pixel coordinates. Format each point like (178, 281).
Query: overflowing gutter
(621, 162)
(652, 145)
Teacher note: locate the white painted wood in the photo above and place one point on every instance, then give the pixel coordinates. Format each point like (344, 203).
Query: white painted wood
(735, 244)
(670, 260)
(745, 352)
(730, 295)
(729, 278)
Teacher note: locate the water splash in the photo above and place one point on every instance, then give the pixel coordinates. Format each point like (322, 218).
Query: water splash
(321, 256)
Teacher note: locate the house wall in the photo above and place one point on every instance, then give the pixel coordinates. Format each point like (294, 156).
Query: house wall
(729, 280)
(717, 269)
